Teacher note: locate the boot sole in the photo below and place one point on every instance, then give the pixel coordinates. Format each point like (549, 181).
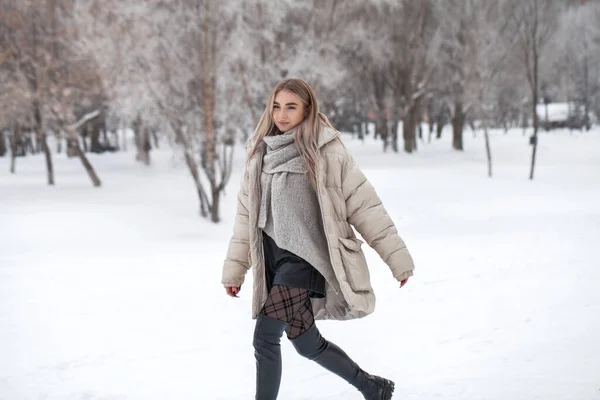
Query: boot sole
(389, 389)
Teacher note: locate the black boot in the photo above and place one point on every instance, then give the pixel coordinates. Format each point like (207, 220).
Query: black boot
(267, 335)
(314, 347)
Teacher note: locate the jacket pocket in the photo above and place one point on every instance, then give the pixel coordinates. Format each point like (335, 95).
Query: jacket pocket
(355, 264)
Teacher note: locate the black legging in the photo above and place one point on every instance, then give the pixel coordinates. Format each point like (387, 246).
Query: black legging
(290, 305)
(288, 308)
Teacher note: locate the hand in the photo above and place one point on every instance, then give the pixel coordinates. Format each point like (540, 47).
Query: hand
(403, 282)
(232, 291)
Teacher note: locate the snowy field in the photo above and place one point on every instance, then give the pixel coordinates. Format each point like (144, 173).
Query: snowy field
(114, 293)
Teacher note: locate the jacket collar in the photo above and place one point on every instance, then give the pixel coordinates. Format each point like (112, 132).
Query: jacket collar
(326, 136)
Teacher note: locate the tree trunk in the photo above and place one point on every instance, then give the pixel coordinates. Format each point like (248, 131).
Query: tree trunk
(105, 138)
(155, 137)
(142, 141)
(395, 135)
(84, 135)
(458, 123)
(534, 96)
(409, 129)
(586, 95)
(94, 133)
(147, 146)
(41, 140)
(2, 143)
(379, 91)
(59, 142)
(49, 165)
(382, 128)
(28, 146)
(71, 152)
(208, 108)
(193, 168)
(488, 150)
(14, 146)
(431, 123)
(84, 160)
(39, 147)
(439, 126)
(124, 134)
(216, 196)
(534, 139)
(115, 136)
(430, 133)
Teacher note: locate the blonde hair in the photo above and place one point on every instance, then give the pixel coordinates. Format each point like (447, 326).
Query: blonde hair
(306, 134)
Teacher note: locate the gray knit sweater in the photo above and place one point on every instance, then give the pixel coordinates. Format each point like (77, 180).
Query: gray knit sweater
(289, 210)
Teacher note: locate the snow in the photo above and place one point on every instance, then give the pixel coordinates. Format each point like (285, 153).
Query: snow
(114, 293)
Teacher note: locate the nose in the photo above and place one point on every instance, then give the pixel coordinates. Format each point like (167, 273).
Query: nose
(280, 115)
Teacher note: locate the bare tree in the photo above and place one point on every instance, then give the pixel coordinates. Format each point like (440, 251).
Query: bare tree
(414, 37)
(491, 46)
(72, 85)
(180, 66)
(577, 51)
(71, 133)
(46, 78)
(34, 60)
(3, 149)
(365, 52)
(458, 29)
(534, 22)
(391, 44)
(475, 45)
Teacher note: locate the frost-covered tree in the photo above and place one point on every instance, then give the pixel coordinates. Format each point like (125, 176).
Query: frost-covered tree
(460, 25)
(415, 41)
(27, 62)
(577, 53)
(46, 78)
(534, 23)
(174, 56)
(490, 44)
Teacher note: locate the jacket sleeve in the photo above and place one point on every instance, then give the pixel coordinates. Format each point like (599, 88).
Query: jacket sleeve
(237, 261)
(368, 215)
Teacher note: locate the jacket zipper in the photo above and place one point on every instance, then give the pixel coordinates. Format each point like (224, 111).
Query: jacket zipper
(323, 217)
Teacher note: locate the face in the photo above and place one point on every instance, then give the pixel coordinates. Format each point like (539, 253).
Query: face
(288, 110)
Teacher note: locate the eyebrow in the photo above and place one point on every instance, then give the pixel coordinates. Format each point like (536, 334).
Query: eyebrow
(287, 104)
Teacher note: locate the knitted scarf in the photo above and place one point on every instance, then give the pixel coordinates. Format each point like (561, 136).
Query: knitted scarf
(289, 208)
(281, 158)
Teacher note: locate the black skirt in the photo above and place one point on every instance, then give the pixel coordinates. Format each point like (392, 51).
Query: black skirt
(284, 268)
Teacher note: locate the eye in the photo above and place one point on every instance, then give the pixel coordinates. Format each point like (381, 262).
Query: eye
(274, 107)
(291, 108)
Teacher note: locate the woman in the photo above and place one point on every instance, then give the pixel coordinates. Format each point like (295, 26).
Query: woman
(300, 196)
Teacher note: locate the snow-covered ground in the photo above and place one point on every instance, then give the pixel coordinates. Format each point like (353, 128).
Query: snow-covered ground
(114, 293)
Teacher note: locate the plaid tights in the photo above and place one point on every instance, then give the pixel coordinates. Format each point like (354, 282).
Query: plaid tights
(291, 305)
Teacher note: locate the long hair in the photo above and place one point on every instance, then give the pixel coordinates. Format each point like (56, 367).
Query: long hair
(306, 134)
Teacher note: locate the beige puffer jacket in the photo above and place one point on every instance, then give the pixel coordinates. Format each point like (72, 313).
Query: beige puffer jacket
(346, 198)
